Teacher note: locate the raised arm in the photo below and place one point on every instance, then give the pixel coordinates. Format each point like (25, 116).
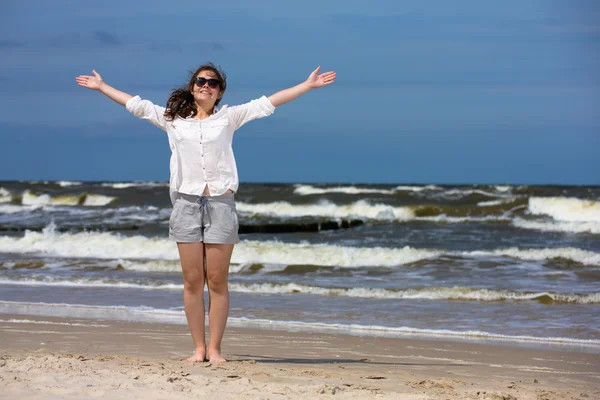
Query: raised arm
(143, 109)
(97, 83)
(315, 80)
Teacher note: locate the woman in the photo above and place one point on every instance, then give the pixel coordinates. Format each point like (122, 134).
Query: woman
(203, 181)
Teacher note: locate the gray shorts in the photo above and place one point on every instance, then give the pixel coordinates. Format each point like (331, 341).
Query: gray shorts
(208, 219)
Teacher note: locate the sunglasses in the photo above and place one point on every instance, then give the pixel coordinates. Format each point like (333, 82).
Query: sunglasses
(212, 83)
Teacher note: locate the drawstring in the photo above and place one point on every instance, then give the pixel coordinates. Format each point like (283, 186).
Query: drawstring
(204, 206)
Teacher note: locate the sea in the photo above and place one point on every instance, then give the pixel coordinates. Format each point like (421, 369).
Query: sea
(516, 264)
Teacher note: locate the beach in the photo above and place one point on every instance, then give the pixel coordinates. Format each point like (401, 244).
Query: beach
(48, 358)
(353, 291)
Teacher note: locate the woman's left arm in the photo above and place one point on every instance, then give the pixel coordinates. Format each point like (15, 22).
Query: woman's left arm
(315, 80)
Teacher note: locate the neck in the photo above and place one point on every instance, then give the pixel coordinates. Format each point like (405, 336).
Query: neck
(204, 110)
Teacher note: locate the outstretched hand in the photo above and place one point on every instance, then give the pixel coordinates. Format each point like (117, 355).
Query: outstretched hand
(316, 80)
(90, 82)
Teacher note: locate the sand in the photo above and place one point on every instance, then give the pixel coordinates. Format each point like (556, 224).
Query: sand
(50, 358)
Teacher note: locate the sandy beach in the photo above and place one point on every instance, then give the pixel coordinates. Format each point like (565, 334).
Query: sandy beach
(48, 358)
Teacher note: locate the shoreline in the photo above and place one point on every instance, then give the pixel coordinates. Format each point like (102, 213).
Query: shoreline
(168, 317)
(48, 357)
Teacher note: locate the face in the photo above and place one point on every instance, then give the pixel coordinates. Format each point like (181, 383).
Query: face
(204, 93)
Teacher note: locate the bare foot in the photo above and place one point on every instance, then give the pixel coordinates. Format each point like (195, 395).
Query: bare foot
(214, 356)
(199, 356)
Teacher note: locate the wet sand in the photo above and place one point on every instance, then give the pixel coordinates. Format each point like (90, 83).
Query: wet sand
(48, 358)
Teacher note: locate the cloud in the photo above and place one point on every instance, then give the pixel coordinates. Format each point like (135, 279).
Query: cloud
(106, 38)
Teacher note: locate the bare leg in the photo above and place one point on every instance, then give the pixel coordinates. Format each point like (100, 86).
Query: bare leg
(192, 265)
(218, 257)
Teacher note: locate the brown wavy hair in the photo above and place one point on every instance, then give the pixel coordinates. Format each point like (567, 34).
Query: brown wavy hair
(181, 101)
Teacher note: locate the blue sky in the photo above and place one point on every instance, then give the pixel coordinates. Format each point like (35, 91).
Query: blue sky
(427, 92)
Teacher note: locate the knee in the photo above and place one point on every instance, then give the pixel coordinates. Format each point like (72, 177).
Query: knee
(217, 285)
(193, 283)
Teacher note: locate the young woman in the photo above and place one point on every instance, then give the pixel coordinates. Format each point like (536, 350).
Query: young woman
(203, 181)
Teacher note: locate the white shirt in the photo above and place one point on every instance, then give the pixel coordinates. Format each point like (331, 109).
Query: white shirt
(201, 149)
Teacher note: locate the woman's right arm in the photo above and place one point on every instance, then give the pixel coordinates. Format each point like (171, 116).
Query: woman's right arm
(143, 109)
(97, 83)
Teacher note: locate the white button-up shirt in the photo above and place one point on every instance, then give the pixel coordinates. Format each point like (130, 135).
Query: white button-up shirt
(201, 149)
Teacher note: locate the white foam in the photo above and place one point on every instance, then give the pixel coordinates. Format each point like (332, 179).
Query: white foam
(5, 195)
(432, 293)
(29, 321)
(566, 208)
(585, 257)
(147, 314)
(110, 246)
(102, 245)
(558, 226)
(88, 283)
(68, 183)
(126, 185)
(416, 188)
(31, 199)
(446, 219)
(359, 209)
(114, 246)
(273, 252)
(13, 209)
(460, 193)
(97, 200)
(305, 190)
(502, 188)
(495, 202)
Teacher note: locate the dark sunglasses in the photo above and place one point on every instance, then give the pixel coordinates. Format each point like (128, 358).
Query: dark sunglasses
(212, 83)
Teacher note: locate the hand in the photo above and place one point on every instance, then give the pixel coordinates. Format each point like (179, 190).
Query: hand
(90, 82)
(316, 80)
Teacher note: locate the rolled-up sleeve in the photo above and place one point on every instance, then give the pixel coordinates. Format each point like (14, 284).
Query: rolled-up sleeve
(145, 109)
(252, 110)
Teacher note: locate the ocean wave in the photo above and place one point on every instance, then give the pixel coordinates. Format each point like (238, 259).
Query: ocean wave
(455, 194)
(127, 185)
(566, 209)
(359, 209)
(29, 321)
(110, 246)
(169, 316)
(84, 199)
(580, 256)
(305, 190)
(499, 202)
(558, 226)
(101, 245)
(428, 293)
(14, 209)
(68, 183)
(114, 246)
(404, 188)
(5, 195)
(364, 210)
